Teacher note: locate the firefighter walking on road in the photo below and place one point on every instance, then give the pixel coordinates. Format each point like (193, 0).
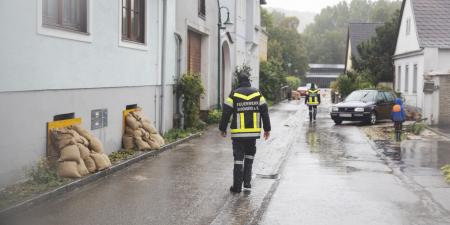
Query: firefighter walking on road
(312, 99)
(248, 108)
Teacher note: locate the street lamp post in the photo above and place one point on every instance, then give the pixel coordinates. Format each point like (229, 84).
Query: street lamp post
(220, 26)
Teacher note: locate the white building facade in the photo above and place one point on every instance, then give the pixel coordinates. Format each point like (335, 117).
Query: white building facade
(73, 57)
(422, 57)
(197, 31)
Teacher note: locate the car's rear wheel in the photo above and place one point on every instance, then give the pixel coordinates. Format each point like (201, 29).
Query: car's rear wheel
(373, 118)
(338, 122)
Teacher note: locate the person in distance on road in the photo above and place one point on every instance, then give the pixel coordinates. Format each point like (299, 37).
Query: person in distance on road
(398, 117)
(312, 99)
(247, 107)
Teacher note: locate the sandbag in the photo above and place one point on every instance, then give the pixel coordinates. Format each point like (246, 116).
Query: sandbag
(158, 138)
(100, 162)
(154, 144)
(60, 134)
(90, 164)
(132, 122)
(61, 137)
(68, 169)
(141, 144)
(149, 127)
(64, 143)
(95, 145)
(128, 142)
(137, 133)
(138, 115)
(82, 169)
(70, 153)
(77, 137)
(83, 132)
(84, 151)
(129, 131)
(83, 141)
(144, 132)
(108, 162)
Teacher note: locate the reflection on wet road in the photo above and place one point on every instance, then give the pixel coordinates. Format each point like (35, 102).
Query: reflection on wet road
(333, 176)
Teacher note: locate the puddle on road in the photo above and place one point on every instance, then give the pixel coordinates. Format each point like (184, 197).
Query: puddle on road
(418, 153)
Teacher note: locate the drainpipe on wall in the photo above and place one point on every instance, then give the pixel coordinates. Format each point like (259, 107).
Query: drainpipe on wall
(180, 99)
(163, 68)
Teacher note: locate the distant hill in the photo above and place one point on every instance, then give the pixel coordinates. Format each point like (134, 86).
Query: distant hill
(305, 17)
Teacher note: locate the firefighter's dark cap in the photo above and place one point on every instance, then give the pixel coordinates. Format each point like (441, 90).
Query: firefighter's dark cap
(243, 76)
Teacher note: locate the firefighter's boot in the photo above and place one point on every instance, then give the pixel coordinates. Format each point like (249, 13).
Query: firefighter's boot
(248, 163)
(237, 177)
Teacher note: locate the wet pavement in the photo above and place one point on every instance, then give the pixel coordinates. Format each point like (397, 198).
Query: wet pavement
(305, 174)
(186, 185)
(333, 176)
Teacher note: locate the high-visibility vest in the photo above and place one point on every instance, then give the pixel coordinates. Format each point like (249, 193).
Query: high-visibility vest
(313, 97)
(246, 122)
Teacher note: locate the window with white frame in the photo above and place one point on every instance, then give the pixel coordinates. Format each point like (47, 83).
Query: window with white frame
(406, 78)
(408, 26)
(65, 14)
(202, 8)
(133, 21)
(415, 77)
(399, 78)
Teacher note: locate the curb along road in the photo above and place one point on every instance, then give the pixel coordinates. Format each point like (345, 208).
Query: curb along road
(47, 196)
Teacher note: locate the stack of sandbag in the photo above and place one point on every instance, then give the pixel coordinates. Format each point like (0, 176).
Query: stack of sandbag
(140, 134)
(80, 153)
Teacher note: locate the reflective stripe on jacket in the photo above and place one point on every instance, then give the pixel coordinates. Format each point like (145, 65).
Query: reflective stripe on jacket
(312, 97)
(248, 109)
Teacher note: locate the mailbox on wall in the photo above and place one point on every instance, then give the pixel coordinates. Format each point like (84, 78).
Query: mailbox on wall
(429, 87)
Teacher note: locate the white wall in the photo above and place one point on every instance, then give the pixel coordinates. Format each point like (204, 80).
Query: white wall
(43, 76)
(444, 60)
(407, 43)
(31, 61)
(412, 99)
(25, 116)
(187, 19)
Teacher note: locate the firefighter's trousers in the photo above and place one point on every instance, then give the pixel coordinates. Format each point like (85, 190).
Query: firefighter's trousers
(244, 151)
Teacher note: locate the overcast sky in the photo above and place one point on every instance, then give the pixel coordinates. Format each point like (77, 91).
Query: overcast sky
(302, 5)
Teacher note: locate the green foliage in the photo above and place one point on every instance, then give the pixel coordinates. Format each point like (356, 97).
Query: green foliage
(347, 83)
(285, 44)
(214, 116)
(120, 155)
(417, 128)
(376, 54)
(191, 87)
(177, 134)
(293, 82)
(272, 78)
(326, 38)
(42, 173)
(446, 171)
(41, 178)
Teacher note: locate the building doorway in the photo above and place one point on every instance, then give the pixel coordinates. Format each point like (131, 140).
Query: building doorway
(226, 78)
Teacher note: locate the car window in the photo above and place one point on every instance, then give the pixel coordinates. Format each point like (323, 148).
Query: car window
(389, 97)
(361, 96)
(381, 97)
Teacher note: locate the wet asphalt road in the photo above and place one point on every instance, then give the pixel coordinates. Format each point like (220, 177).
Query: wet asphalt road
(305, 174)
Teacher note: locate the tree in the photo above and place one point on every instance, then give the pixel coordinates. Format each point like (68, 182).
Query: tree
(376, 54)
(326, 37)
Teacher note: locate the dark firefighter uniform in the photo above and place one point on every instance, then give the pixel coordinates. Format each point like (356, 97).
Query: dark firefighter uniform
(312, 99)
(248, 108)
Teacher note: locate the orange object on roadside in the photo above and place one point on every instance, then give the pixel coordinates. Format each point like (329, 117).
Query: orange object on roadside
(396, 108)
